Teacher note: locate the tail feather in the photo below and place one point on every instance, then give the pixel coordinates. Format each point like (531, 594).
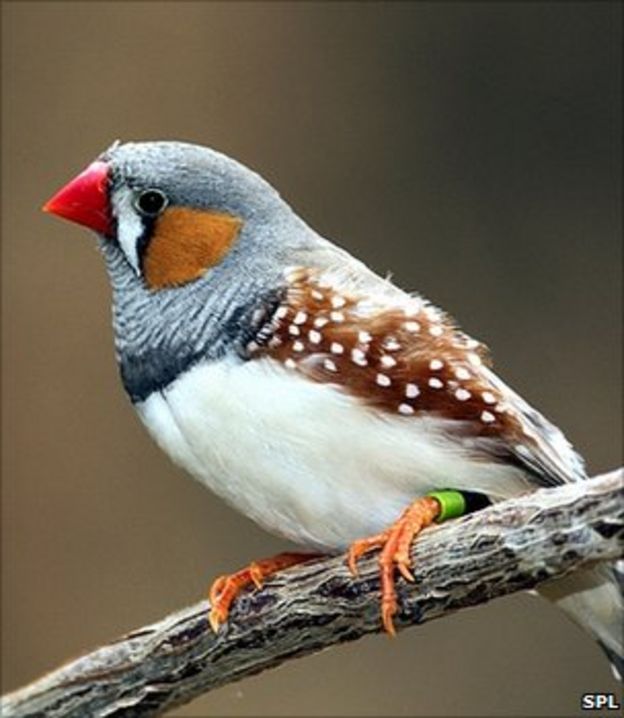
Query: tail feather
(593, 599)
(617, 664)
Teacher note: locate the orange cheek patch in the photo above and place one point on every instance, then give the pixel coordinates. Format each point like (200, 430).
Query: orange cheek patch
(185, 243)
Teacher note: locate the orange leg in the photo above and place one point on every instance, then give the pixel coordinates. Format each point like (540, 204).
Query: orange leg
(395, 543)
(225, 588)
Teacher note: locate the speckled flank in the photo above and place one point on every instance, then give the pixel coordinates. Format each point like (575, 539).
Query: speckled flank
(407, 359)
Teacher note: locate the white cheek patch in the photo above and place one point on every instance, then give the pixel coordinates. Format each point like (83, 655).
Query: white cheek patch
(129, 226)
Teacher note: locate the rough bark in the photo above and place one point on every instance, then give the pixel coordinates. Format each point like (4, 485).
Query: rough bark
(509, 547)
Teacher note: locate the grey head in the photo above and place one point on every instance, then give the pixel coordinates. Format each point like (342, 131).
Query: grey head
(176, 301)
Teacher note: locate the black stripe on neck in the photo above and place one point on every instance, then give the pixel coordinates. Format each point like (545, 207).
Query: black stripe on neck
(154, 369)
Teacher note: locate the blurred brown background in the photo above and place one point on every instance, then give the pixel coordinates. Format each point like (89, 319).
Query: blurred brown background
(471, 148)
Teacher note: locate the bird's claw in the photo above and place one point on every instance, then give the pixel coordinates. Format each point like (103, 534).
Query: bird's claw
(395, 544)
(226, 588)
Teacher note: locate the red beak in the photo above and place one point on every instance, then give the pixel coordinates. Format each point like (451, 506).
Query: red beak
(85, 199)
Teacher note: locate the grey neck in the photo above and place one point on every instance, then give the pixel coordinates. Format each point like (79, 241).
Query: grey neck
(159, 335)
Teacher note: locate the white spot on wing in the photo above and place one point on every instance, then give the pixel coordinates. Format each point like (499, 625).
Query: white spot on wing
(412, 308)
(391, 344)
(358, 357)
(411, 391)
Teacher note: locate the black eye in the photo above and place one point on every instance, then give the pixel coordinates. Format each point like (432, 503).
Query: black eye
(151, 202)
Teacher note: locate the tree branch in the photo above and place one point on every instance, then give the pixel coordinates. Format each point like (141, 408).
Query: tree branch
(508, 547)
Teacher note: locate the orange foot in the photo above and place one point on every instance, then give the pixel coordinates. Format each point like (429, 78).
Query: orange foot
(225, 588)
(395, 543)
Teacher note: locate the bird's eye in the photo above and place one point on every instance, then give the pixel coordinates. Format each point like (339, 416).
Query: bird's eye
(151, 202)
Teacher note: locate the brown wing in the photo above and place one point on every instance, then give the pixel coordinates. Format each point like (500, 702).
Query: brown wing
(409, 360)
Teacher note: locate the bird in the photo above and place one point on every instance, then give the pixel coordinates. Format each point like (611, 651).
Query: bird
(315, 396)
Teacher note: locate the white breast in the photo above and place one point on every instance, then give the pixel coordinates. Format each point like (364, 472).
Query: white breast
(304, 459)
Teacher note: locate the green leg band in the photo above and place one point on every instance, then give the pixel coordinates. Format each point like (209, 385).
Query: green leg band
(452, 504)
